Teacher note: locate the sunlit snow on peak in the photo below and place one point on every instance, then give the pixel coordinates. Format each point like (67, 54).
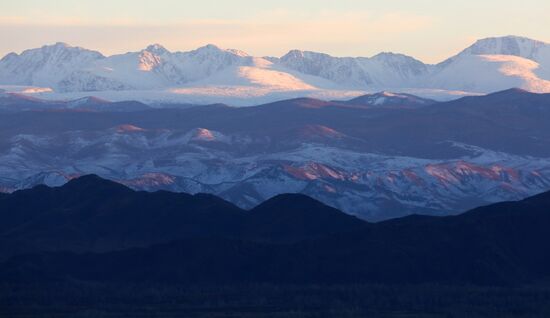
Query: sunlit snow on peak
(211, 74)
(148, 61)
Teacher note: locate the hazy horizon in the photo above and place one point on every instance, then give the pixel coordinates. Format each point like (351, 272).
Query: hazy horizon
(123, 51)
(427, 30)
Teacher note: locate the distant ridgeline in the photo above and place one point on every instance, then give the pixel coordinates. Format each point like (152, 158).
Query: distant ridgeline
(378, 157)
(214, 74)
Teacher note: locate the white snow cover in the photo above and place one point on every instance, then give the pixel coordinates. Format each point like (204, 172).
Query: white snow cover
(202, 160)
(210, 74)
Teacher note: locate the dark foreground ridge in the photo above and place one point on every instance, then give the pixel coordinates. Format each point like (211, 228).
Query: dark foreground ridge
(91, 214)
(95, 248)
(92, 229)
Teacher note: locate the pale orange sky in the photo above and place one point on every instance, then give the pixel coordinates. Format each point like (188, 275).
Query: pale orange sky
(426, 29)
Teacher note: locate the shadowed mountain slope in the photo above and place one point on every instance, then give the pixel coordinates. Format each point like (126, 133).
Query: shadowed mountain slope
(94, 214)
(288, 239)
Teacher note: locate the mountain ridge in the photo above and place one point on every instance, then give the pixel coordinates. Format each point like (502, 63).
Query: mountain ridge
(90, 213)
(211, 74)
(503, 244)
(363, 159)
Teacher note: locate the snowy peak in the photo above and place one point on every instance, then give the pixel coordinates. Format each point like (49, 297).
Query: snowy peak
(203, 134)
(87, 101)
(206, 135)
(293, 54)
(58, 51)
(495, 64)
(148, 61)
(390, 56)
(157, 49)
(389, 99)
(344, 71)
(298, 54)
(57, 46)
(403, 65)
(212, 74)
(507, 45)
(385, 70)
(214, 50)
(46, 65)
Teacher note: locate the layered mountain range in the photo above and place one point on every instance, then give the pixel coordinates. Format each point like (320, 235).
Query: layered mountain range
(211, 74)
(377, 156)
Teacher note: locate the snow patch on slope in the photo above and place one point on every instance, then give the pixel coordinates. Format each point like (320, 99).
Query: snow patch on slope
(492, 72)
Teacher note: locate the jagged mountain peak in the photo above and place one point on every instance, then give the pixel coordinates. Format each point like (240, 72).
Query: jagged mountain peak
(57, 50)
(8, 57)
(212, 49)
(45, 66)
(393, 58)
(488, 65)
(62, 47)
(59, 45)
(293, 53)
(156, 49)
(301, 54)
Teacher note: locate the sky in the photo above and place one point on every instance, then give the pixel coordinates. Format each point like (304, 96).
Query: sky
(426, 29)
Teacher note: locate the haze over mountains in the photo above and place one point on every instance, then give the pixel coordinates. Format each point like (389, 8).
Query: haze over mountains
(211, 74)
(378, 156)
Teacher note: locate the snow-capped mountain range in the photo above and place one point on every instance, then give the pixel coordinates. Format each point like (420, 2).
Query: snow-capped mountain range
(211, 74)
